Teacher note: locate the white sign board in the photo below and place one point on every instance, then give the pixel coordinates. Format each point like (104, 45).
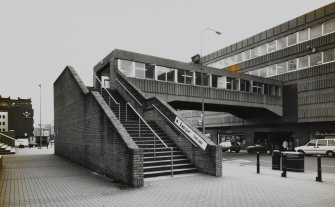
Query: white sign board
(190, 133)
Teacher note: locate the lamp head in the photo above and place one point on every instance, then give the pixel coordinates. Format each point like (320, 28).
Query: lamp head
(196, 59)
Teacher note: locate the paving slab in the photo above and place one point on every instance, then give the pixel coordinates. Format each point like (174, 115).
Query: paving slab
(37, 177)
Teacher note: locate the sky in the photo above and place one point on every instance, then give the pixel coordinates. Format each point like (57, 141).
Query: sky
(39, 38)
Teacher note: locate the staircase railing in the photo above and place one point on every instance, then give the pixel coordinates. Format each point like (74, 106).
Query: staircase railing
(174, 125)
(129, 92)
(7, 140)
(139, 125)
(110, 96)
(155, 134)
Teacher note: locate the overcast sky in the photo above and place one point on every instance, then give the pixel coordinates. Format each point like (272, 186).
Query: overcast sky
(38, 38)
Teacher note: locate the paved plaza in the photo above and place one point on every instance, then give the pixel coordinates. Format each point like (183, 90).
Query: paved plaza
(35, 177)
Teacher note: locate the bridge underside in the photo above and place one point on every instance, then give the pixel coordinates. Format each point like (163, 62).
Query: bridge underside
(241, 112)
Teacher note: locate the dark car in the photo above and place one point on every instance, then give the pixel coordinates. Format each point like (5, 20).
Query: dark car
(230, 146)
(257, 148)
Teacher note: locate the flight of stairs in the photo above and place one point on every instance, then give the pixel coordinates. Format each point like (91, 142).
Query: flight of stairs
(156, 162)
(5, 149)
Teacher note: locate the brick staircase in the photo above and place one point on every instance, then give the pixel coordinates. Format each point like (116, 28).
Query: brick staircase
(157, 160)
(5, 149)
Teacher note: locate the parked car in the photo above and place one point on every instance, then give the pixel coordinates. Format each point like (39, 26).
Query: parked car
(318, 147)
(230, 146)
(257, 148)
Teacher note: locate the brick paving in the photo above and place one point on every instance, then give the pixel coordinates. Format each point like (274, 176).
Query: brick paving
(35, 177)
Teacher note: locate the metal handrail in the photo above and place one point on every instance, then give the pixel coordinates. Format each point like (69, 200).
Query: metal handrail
(155, 134)
(140, 117)
(145, 124)
(10, 142)
(110, 95)
(174, 125)
(8, 137)
(129, 92)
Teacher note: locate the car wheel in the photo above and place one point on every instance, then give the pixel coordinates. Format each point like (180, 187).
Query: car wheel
(330, 154)
(301, 151)
(237, 151)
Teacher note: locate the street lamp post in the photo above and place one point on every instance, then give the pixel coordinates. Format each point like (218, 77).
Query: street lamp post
(202, 79)
(40, 147)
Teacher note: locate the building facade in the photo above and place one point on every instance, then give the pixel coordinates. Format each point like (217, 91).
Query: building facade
(301, 54)
(16, 115)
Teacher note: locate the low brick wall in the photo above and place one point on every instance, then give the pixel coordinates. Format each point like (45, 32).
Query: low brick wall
(89, 133)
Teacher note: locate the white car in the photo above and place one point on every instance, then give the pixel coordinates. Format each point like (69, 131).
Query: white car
(318, 147)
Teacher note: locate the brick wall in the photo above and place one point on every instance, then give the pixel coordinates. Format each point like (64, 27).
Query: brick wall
(88, 132)
(0, 162)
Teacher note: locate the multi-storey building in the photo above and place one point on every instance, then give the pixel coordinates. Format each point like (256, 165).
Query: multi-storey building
(301, 54)
(16, 115)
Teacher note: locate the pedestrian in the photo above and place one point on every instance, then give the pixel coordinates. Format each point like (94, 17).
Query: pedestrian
(290, 145)
(285, 145)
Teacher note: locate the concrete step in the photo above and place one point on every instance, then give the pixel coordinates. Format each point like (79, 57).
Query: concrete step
(168, 157)
(165, 162)
(168, 172)
(149, 154)
(167, 167)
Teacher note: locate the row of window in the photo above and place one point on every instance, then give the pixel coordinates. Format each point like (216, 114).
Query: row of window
(3, 116)
(155, 72)
(2, 129)
(292, 39)
(3, 123)
(295, 64)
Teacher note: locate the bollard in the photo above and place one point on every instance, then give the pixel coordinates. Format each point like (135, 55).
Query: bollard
(257, 162)
(319, 178)
(284, 165)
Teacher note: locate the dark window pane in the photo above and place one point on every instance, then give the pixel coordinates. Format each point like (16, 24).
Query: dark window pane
(198, 78)
(150, 71)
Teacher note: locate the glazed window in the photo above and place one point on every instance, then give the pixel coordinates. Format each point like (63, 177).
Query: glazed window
(126, 67)
(303, 62)
(281, 43)
(139, 70)
(257, 87)
(244, 85)
(272, 46)
(329, 26)
(331, 142)
(303, 35)
(262, 50)
(184, 76)
(316, 31)
(328, 55)
(281, 68)
(239, 57)
(246, 55)
(292, 39)
(316, 59)
(263, 72)
(272, 70)
(198, 79)
(150, 71)
(165, 74)
(292, 65)
(322, 142)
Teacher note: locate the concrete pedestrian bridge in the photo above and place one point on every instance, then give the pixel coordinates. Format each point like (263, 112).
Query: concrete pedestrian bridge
(179, 84)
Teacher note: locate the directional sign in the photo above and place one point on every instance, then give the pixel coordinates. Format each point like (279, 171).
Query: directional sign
(196, 138)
